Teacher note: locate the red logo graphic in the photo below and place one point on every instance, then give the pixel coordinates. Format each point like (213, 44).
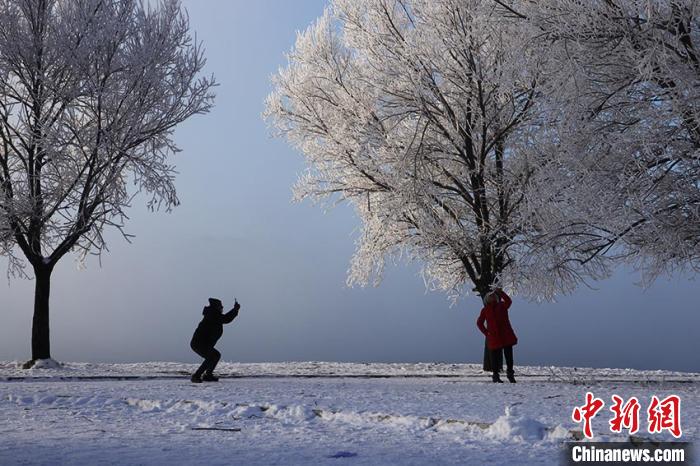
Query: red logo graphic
(665, 415)
(626, 416)
(662, 414)
(587, 412)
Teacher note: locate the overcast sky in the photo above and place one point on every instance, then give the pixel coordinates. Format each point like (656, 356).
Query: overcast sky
(237, 234)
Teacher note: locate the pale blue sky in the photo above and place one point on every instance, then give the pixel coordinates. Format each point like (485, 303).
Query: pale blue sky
(238, 234)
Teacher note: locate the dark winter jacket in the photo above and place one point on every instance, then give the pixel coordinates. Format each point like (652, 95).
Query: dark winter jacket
(498, 331)
(211, 327)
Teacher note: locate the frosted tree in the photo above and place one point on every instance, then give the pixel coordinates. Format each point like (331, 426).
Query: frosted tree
(90, 92)
(627, 149)
(422, 114)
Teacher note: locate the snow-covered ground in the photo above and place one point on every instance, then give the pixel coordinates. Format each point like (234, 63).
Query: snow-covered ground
(311, 413)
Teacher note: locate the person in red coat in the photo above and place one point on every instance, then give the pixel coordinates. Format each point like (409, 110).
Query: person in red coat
(500, 336)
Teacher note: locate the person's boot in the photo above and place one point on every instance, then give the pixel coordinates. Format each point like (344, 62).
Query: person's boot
(196, 378)
(511, 376)
(210, 378)
(496, 378)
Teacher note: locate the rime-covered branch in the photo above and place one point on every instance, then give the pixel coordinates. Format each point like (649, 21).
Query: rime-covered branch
(90, 92)
(421, 114)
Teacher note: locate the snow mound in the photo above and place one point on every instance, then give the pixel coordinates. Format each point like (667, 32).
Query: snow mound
(291, 414)
(515, 427)
(47, 364)
(511, 427)
(558, 433)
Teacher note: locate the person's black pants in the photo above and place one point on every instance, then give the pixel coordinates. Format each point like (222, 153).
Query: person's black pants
(211, 358)
(497, 359)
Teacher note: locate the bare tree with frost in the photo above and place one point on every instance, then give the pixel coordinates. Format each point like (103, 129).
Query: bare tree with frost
(422, 115)
(90, 93)
(627, 148)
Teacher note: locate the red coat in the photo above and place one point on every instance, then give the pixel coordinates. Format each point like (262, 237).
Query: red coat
(498, 331)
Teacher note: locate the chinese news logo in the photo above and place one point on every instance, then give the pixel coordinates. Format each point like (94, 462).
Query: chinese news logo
(660, 415)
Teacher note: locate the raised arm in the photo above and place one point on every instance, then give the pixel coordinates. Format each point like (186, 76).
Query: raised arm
(230, 315)
(506, 299)
(480, 322)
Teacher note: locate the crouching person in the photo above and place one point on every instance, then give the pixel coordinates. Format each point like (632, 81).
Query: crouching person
(207, 334)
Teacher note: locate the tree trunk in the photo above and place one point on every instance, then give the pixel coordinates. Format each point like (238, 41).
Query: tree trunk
(41, 347)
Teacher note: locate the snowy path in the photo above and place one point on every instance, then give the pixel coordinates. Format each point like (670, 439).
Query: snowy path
(444, 419)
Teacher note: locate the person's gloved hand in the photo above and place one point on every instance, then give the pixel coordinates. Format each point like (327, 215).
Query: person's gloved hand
(236, 306)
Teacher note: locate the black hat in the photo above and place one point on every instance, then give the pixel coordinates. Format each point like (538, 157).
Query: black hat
(216, 303)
